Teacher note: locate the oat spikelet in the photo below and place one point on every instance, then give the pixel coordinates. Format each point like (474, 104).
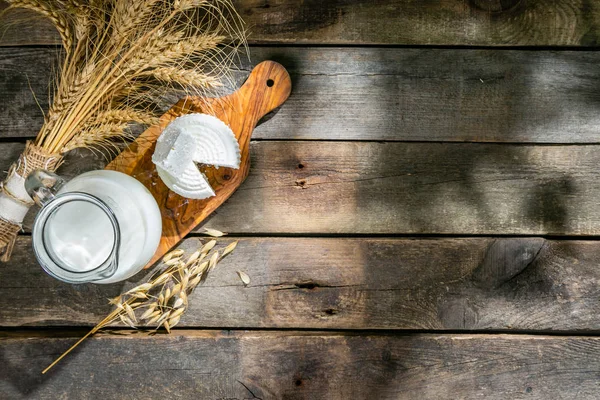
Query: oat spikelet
(208, 246)
(230, 247)
(213, 232)
(244, 277)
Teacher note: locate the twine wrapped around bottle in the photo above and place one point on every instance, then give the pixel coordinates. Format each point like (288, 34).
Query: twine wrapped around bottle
(14, 200)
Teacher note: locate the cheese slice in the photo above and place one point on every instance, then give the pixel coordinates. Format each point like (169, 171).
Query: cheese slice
(191, 186)
(191, 139)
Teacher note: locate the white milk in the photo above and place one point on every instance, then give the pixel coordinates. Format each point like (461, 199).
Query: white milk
(81, 236)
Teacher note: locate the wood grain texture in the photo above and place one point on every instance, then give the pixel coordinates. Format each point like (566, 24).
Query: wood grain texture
(366, 188)
(297, 365)
(267, 88)
(386, 94)
(415, 22)
(520, 284)
(407, 188)
(25, 76)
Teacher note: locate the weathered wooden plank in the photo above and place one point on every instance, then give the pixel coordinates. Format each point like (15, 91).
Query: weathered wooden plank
(408, 188)
(444, 22)
(385, 94)
(25, 82)
(364, 188)
(470, 283)
(300, 365)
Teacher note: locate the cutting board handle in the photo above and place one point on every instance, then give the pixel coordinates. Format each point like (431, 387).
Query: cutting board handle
(268, 87)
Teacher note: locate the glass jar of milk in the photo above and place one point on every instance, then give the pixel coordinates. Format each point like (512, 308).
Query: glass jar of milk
(101, 227)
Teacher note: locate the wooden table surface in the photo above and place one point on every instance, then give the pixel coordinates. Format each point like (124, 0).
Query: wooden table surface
(421, 219)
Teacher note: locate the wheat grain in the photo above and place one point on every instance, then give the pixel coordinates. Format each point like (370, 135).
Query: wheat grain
(184, 77)
(128, 15)
(124, 115)
(182, 5)
(184, 281)
(199, 269)
(161, 279)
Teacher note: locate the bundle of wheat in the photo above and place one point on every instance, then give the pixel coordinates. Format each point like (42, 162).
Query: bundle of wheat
(118, 55)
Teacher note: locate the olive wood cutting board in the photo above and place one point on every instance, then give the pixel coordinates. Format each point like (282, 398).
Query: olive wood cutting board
(268, 87)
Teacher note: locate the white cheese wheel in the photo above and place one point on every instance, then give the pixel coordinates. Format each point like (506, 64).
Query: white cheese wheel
(191, 139)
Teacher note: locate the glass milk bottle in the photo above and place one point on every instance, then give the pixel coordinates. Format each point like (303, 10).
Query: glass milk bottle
(101, 227)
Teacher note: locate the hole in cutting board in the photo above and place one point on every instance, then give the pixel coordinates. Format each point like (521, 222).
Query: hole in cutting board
(270, 82)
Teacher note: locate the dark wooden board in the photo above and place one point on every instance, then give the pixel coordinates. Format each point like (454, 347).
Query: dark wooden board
(301, 365)
(385, 94)
(520, 284)
(442, 22)
(407, 188)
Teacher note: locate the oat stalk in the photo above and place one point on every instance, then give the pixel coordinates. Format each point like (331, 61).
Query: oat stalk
(162, 300)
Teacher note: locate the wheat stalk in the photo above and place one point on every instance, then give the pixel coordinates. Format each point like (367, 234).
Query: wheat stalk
(162, 300)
